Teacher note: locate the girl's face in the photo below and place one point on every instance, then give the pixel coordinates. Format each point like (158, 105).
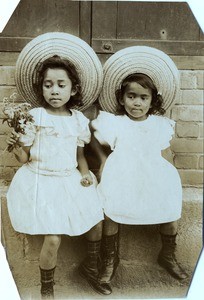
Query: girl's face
(57, 88)
(136, 101)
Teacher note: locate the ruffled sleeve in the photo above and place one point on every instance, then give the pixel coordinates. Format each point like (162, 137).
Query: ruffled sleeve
(30, 131)
(84, 134)
(105, 128)
(166, 132)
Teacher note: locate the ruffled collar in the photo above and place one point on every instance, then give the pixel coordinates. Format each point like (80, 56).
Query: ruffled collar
(56, 125)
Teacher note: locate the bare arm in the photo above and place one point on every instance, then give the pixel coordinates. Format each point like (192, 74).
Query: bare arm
(22, 153)
(83, 167)
(101, 154)
(168, 155)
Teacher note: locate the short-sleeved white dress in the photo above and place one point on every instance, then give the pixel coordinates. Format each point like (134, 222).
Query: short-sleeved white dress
(45, 195)
(138, 186)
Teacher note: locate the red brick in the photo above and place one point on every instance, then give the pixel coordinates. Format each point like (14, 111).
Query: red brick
(7, 91)
(191, 177)
(7, 75)
(201, 162)
(187, 129)
(3, 143)
(186, 161)
(201, 130)
(188, 80)
(192, 97)
(187, 113)
(200, 79)
(4, 128)
(7, 173)
(180, 145)
(8, 159)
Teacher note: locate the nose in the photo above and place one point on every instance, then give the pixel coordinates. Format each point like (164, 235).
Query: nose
(55, 90)
(137, 101)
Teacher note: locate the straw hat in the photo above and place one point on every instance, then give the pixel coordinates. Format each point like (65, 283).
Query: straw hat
(139, 59)
(66, 46)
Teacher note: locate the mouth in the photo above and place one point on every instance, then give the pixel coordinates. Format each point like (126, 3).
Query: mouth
(55, 99)
(136, 110)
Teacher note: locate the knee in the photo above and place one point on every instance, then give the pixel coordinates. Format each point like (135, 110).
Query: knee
(98, 227)
(169, 228)
(53, 241)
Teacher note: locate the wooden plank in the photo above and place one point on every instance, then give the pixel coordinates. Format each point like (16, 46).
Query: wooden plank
(104, 19)
(182, 62)
(8, 58)
(170, 47)
(85, 21)
(189, 62)
(35, 17)
(13, 44)
(156, 20)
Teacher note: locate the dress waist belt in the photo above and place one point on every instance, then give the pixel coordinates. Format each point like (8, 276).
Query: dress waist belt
(62, 173)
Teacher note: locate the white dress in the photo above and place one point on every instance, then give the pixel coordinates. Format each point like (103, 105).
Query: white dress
(138, 186)
(45, 195)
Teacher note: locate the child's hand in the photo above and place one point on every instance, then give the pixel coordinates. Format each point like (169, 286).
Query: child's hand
(13, 140)
(86, 180)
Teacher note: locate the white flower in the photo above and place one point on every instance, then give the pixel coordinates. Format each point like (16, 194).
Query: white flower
(9, 112)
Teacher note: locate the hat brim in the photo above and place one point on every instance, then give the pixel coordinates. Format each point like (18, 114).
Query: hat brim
(139, 59)
(67, 46)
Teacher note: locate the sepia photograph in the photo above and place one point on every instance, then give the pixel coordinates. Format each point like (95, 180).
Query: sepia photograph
(101, 150)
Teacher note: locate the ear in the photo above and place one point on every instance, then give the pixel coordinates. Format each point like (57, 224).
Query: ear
(121, 101)
(74, 91)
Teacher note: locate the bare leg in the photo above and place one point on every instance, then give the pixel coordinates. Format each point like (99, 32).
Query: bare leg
(48, 260)
(110, 227)
(48, 255)
(169, 228)
(95, 233)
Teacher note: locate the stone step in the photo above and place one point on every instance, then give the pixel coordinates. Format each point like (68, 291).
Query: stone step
(138, 274)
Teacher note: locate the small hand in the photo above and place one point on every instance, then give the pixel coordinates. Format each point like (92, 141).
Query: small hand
(13, 140)
(86, 180)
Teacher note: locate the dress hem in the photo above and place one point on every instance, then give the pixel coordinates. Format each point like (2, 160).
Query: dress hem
(127, 221)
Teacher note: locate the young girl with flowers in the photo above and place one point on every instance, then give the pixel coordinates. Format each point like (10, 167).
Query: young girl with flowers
(138, 185)
(54, 192)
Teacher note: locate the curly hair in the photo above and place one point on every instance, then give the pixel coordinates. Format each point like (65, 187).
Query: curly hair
(62, 63)
(146, 82)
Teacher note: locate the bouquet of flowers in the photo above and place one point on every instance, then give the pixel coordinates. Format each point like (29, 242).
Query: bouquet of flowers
(18, 118)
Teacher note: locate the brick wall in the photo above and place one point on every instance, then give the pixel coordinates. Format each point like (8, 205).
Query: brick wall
(187, 144)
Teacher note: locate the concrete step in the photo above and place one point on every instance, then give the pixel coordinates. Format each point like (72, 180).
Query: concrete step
(138, 275)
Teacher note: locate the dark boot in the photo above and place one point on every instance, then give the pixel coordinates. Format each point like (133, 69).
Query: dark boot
(47, 282)
(109, 256)
(89, 268)
(167, 259)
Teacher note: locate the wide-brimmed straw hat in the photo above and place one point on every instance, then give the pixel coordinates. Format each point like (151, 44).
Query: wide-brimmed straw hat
(67, 46)
(139, 59)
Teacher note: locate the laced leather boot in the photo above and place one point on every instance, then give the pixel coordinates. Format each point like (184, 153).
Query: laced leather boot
(167, 258)
(109, 257)
(89, 268)
(47, 282)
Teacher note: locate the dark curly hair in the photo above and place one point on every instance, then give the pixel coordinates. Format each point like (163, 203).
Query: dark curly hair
(62, 63)
(146, 82)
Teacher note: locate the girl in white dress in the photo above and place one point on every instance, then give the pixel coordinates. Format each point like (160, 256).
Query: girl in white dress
(54, 192)
(138, 185)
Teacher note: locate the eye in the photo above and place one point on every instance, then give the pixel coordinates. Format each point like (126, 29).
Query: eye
(130, 96)
(62, 86)
(47, 85)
